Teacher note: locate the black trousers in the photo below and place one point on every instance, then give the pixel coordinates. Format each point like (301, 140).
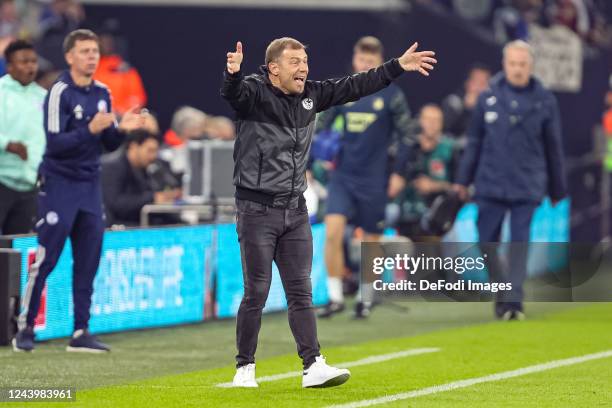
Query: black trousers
(17, 211)
(491, 214)
(268, 234)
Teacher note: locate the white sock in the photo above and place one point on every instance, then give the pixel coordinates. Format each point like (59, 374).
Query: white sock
(366, 293)
(334, 285)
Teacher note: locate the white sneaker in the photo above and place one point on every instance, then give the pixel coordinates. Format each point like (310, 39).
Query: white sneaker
(320, 375)
(245, 377)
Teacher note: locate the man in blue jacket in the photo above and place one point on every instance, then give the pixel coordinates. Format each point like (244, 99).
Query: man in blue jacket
(514, 157)
(79, 124)
(362, 181)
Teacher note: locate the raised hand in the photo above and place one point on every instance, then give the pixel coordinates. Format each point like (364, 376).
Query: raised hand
(234, 59)
(132, 120)
(422, 61)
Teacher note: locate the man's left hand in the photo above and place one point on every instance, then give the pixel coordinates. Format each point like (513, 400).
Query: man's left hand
(421, 61)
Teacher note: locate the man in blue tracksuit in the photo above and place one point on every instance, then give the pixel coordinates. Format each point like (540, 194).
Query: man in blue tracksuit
(514, 157)
(79, 124)
(360, 184)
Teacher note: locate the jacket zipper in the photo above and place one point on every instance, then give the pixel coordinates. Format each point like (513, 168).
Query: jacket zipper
(293, 153)
(260, 166)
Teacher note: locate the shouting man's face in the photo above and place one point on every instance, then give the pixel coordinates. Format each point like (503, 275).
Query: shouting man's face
(290, 71)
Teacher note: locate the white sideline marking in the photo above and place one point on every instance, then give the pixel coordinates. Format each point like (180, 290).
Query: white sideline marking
(368, 360)
(478, 380)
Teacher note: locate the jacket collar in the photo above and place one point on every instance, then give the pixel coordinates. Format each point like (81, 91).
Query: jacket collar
(499, 81)
(67, 79)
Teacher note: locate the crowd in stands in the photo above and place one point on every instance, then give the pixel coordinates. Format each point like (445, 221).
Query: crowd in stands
(510, 20)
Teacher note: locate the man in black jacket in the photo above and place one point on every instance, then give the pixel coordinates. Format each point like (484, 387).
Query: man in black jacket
(275, 121)
(126, 185)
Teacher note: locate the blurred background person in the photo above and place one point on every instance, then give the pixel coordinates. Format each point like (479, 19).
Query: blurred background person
(514, 158)
(126, 184)
(9, 28)
(57, 20)
(429, 171)
(458, 106)
(78, 123)
(22, 138)
(188, 123)
(122, 79)
(361, 181)
(220, 128)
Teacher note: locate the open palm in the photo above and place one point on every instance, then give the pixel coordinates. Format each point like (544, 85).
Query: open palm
(421, 61)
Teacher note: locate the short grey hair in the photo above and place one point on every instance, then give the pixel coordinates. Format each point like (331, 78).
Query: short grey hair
(187, 117)
(521, 45)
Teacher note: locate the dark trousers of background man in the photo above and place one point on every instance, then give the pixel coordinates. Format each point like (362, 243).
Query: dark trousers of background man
(67, 209)
(268, 234)
(491, 214)
(17, 211)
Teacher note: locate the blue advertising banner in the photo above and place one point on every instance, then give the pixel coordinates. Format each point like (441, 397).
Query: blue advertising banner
(229, 274)
(549, 224)
(147, 278)
(158, 277)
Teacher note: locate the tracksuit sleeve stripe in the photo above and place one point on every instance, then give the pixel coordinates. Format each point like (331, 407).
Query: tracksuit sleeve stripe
(53, 113)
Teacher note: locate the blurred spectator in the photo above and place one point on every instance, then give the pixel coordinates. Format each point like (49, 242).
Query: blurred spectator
(9, 28)
(122, 79)
(59, 19)
(473, 10)
(458, 107)
(22, 138)
(511, 21)
(584, 17)
(47, 74)
(126, 185)
(220, 128)
(9, 19)
(572, 14)
(429, 171)
(187, 123)
(4, 42)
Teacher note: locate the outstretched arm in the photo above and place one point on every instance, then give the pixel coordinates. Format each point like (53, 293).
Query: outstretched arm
(339, 91)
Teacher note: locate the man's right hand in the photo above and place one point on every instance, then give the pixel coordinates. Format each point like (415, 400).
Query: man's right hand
(19, 149)
(101, 121)
(164, 197)
(234, 59)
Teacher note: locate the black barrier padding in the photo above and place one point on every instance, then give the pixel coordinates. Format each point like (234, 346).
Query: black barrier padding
(10, 265)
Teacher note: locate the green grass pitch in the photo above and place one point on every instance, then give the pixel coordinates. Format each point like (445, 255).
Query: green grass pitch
(181, 366)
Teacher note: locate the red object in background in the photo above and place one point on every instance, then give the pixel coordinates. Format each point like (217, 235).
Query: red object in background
(607, 121)
(40, 321)
(172, 139)
(124, 82)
